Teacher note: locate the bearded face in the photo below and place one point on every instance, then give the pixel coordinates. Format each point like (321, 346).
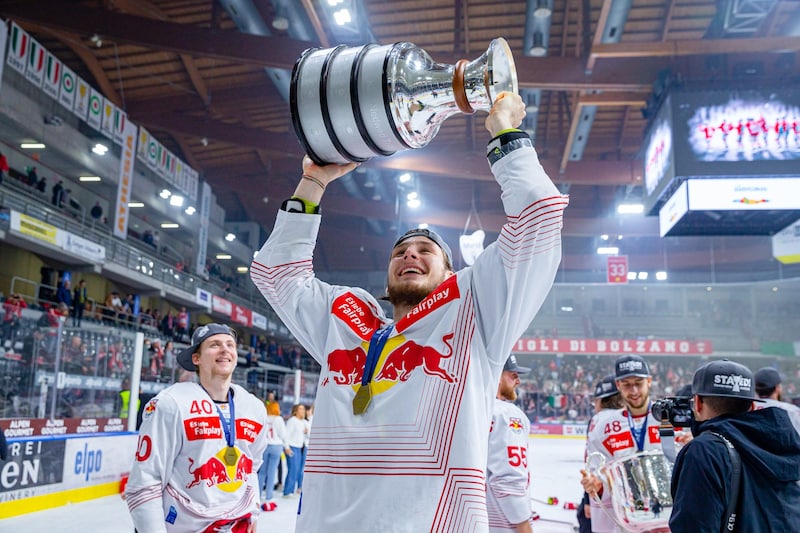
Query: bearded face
(416, 268)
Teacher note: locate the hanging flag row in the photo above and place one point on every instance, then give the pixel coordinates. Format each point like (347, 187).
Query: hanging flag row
(44, 70)
(166, 164)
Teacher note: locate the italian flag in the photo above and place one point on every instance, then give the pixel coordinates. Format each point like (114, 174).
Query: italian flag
(53, 70)
(18, 52)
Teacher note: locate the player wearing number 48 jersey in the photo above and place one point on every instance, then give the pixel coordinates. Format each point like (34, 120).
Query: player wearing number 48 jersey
(507, 473)
(617, 433)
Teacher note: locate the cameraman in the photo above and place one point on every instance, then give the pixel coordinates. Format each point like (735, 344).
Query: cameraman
(768, 388)
(769, 450)
(621, 433)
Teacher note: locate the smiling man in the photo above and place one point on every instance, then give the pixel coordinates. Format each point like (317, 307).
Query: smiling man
(620, 433)
(404, 403)
(200, 447)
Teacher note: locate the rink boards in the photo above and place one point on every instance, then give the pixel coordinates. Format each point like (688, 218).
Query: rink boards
(46, 472)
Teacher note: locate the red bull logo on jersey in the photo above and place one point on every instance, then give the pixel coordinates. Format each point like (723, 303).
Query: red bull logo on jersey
(398, 362)
(515, 424)
(403, 360)
(149, 409)
(215, 472)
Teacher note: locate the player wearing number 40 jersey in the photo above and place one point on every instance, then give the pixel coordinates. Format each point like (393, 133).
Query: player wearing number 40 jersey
(618, 433)
(507, 473)
(200, 447)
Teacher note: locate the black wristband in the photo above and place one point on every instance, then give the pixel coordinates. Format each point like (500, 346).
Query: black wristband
(298, 205)
(506, 143)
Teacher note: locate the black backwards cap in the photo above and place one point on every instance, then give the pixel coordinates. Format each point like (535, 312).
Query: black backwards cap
(512, 366)
(200, 334)
(429, 234)
(605, 388)
(724, 378)
(767, 378)
(627, 366)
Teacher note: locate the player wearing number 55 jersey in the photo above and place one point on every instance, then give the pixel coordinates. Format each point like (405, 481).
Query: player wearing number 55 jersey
(617, 433)
(507, 473)
(200, 447)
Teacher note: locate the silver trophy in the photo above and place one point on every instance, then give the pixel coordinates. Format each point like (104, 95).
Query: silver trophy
(640, 489)
(351, 104)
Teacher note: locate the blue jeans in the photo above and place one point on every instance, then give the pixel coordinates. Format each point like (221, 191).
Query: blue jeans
(269, 469)
(294, 467)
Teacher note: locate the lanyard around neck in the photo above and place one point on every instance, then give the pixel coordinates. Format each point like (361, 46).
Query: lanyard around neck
(376, 344)
(230, 428)
(638, 434)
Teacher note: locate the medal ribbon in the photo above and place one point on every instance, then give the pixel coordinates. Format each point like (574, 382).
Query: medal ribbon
(230, 428)
(638, 434)
(376, 344)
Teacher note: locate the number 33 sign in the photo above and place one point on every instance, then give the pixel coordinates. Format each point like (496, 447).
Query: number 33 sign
(617, 269)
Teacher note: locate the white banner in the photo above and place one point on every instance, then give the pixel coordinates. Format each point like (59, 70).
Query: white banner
(745, 194)
(79, 246)
(34, 70)
(3, 40)
(107, 121)
(120, 123)
(95, 116)
(126, 162)
(673, 210)
(52, 76)
(203, 297)
(786, 244)
(81, 107)
(18, 48)
(66, 93)
(259, 321)
(202, 236)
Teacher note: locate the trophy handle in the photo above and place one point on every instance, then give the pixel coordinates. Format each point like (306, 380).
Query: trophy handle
(595, 465)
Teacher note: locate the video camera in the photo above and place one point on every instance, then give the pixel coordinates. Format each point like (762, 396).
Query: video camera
(678, 410)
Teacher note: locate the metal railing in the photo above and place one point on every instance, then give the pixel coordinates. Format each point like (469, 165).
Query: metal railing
(130, 255)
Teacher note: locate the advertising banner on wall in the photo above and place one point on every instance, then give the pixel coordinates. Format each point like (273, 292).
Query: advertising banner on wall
(786, 244)
(125, 185)
(614, 346)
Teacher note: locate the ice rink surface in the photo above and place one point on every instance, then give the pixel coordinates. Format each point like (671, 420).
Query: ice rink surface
(555, 473)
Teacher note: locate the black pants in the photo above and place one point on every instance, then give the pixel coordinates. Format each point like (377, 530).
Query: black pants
(77, 315)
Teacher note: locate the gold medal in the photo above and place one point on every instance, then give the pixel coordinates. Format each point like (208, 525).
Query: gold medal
(362, 399)
(231, 457)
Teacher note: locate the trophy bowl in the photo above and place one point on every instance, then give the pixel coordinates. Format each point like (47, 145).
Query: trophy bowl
(352, 104)
(640, 489)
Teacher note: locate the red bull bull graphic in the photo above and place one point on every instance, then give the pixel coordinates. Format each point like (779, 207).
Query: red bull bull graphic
(347, 366)
(515, 424)
(398, 361)
(407, 357)
(215, 472)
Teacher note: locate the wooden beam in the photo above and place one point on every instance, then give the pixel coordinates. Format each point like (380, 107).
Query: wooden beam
(279, 52)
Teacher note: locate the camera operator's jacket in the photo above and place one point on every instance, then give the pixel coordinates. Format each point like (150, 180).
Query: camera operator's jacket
(769, 495)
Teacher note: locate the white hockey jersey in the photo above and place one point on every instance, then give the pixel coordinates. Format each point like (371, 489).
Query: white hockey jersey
(180, 481)
(415, 460)
(610, 435)
(507, 471)
(792, 410)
